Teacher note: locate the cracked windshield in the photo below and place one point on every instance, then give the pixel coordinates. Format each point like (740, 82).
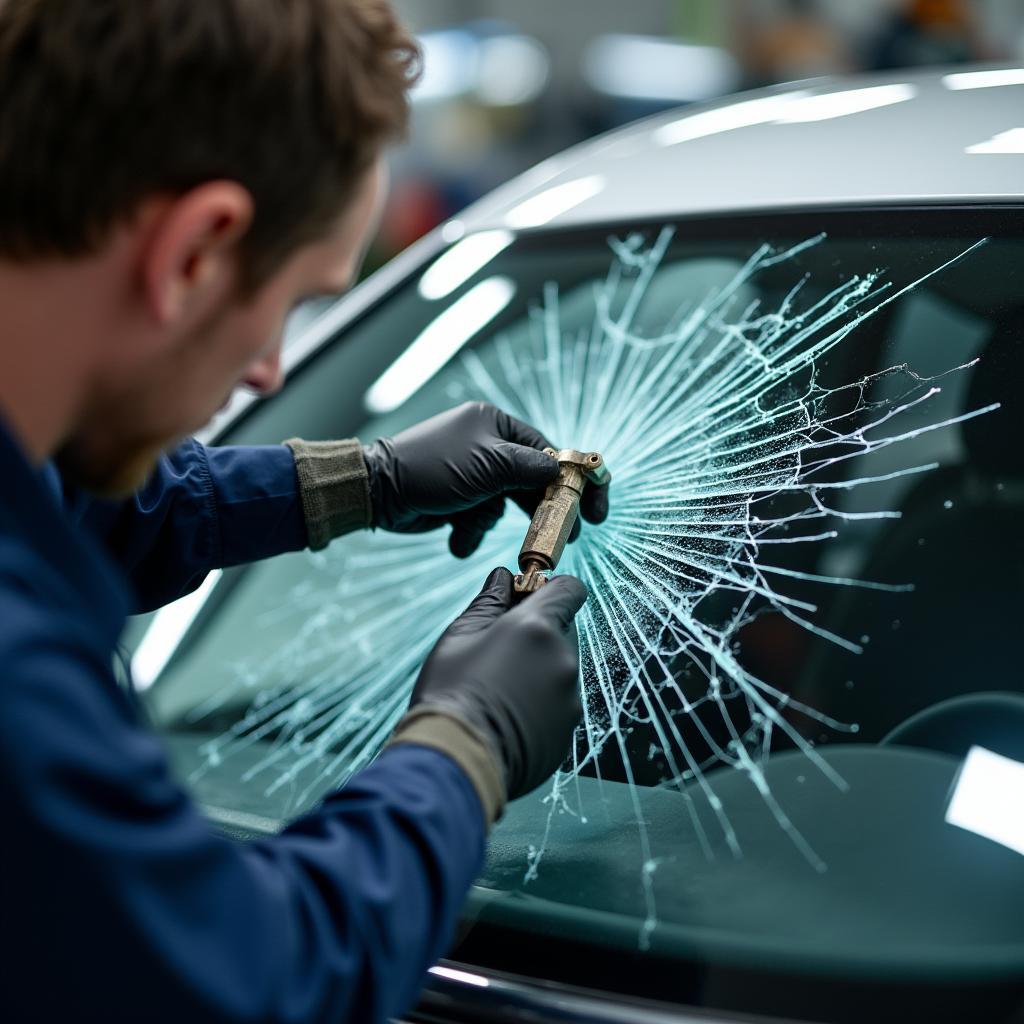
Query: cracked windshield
(802, 606)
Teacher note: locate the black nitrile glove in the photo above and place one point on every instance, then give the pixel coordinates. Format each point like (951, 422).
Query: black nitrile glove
(512, 674)
(457, 468)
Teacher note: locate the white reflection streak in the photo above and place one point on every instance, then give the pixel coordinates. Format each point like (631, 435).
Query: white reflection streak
(463, 976)
(438, 342)
(724, 119)
(988, 798)
(984, 79)
(553, 202)
(461, 262)
(166, 631)
(842, 104)
(789, 108)
(1011, 141)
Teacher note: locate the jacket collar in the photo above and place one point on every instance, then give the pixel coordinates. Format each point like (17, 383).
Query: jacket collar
(34, 525)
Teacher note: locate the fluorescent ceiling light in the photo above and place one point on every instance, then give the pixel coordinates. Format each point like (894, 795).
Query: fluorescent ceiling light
(648, 68)
(724, 119)
(988, 798)
(513, 70)
(506, 69)
(840, 104)
(456, 266)
(166, 631)
(553, 202)
(1011, 141)
(438, 342)
(789, 108)
(984, 79)
(449, 65)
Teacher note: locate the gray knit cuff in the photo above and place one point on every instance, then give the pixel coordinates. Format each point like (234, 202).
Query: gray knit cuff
(335, 488)
(430, 727)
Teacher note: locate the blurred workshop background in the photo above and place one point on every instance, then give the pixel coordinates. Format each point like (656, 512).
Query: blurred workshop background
(507, 84)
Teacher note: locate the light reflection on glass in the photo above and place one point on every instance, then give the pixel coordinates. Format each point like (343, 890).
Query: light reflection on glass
(988, 798)
(438, 342)
(464, 976)
(461, 262)
(165, 632)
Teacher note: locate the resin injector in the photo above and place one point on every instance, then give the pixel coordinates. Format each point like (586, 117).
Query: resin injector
(556, 515)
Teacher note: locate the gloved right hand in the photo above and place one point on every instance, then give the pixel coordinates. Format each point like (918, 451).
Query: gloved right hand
(511, 673)
(458, 467)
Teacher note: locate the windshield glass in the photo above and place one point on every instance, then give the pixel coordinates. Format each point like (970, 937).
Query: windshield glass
(799, 650)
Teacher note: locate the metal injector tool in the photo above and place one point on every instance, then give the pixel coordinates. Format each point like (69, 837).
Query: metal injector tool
(555, 516)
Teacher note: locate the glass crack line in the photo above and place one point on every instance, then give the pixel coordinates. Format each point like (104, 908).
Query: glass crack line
(708, 423)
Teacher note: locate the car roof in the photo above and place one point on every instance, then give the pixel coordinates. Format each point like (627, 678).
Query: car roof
(942, 136)
(949, 136)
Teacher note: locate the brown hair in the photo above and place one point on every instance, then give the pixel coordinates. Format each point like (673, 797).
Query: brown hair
(106, 102)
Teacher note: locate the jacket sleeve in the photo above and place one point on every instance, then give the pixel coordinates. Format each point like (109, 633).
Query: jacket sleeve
(202, 508)
(118, 898)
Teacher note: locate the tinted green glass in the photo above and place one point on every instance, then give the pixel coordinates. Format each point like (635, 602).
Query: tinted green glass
(795, 822)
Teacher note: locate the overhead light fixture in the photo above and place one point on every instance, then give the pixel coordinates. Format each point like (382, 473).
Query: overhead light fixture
(988, 798)
(1011, 141)
(648, 68)
(456, 266)
(498, 67)
(513, 70)
(166, 631)
(553, 202)
(449, 62)
(438, 342)
(984, 79)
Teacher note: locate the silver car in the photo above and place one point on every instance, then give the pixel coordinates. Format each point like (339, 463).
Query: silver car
(793, 323)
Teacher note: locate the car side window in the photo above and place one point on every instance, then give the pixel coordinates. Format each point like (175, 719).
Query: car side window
(811, 429)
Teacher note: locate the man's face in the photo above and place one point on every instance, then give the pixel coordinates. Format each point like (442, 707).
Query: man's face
(144, 407)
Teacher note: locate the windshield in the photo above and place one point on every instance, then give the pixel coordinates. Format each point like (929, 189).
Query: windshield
(800, 647)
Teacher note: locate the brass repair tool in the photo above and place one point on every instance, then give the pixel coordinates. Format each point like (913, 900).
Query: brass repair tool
(556, 515)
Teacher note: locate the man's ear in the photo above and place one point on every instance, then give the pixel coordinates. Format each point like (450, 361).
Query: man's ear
(190, 259)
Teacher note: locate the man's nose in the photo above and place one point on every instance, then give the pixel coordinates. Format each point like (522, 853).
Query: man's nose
(265, 377)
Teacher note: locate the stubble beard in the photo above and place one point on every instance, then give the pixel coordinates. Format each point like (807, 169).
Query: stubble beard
(109, 456)
(113, 471)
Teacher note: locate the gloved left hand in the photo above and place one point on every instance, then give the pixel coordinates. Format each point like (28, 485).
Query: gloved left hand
(458, 467)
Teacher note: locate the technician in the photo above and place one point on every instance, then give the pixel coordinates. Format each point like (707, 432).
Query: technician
(174, 177)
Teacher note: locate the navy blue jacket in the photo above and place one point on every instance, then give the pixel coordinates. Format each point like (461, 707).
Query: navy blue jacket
(119, 902)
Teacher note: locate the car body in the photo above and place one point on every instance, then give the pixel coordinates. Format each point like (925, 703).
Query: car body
(864, 898)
